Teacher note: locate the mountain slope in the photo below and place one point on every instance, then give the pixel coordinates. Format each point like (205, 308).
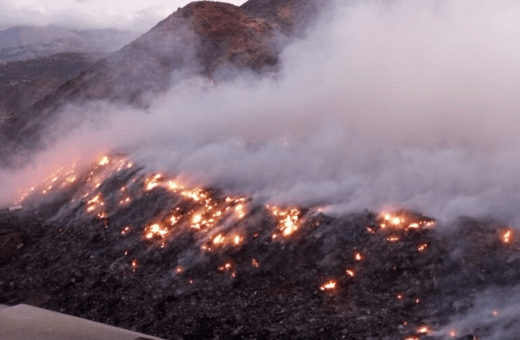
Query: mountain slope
(203, 38)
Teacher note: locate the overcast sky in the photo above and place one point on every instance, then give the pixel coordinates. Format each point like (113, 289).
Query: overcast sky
(137, 15)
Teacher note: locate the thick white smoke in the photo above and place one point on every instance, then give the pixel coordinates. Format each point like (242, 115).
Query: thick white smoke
(494, 315)
(401, 103)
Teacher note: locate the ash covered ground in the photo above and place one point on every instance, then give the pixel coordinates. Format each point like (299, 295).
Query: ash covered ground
(115, 244)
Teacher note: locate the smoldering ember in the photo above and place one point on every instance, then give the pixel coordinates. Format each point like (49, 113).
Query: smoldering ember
(109, 240)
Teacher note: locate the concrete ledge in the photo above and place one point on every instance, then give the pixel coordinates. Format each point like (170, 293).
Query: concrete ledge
(23, 322)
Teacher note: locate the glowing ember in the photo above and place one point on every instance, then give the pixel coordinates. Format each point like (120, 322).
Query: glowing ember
(155, 230)
(329, 286)
(422, 247)
(225, 267)
(351, 273)
(507, 236)
(240, 211)
(153, 182)
(400, 296)
(104, 161)
(219, 239)
(358, 256)
(392, 238)
(237, 240)
(134, 264)
(288, 219)
(424, 330)
(126, 200)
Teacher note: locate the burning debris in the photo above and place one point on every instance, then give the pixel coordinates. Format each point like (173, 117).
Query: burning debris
(114, 236)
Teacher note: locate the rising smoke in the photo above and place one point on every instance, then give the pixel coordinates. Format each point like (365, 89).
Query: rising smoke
(402, 103)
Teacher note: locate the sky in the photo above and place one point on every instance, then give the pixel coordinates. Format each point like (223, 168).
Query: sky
(135, 15)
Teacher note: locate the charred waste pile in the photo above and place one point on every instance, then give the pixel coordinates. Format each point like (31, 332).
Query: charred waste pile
(114, 240)
(139, 250)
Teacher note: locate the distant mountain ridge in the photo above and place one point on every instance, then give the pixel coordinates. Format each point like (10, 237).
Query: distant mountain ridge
(23, 43)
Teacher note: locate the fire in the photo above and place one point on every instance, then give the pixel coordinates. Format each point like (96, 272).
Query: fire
(237, 240)
(424, 330)
(507, 236)
(288, 219)
(219, 239)
(328, 286)
(104, 161)
(358, 256)
(351, 273)
(225, 267)
(95, 202)
(155, 230)
(404, 220)
(422, 247)
(152, 182)
(240, 210)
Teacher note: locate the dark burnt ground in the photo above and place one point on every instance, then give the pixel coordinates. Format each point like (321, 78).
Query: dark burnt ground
(57, 255)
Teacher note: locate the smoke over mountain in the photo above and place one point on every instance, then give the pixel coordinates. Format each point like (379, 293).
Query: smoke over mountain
(400, 104)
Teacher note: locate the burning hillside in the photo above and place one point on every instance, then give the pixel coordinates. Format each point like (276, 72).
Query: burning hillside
(358, 181)
(113, 243)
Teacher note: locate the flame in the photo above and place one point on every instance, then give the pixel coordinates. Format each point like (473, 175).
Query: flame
(424, 330)
(328, 286)
(422, 247)
(155, 230)
(507, 236)
(104, 161)
(219, 239)
(399, 220)
(225, 267)
(152, 182)
(288, 219)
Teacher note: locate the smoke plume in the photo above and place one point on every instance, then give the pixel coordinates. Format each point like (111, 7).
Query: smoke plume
(381, 104)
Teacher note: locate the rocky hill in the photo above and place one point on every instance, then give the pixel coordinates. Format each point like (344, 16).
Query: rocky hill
(206, 38)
